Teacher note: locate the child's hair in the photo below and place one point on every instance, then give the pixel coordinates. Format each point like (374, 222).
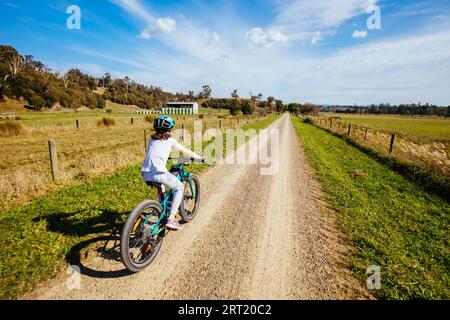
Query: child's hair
(162, 135)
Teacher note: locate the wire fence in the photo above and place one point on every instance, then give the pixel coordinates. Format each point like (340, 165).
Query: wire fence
(46, 158)
(430, 155)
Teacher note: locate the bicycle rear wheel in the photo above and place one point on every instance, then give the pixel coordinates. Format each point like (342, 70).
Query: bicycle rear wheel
(191, 200)
(138, 247)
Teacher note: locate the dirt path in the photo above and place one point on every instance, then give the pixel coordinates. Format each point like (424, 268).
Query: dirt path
(255, 237)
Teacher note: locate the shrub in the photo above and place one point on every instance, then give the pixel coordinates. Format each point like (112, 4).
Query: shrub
(106, 122)
(101, 103)
(247, 108)
(37, 102)
(201, 116)
(11, 129)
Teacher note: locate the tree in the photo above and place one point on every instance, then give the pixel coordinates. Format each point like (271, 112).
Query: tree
(235, 94)
(37, 102)
(16, 65)
(190, 96)
(107, 80)
(280, 107)
(206, 92)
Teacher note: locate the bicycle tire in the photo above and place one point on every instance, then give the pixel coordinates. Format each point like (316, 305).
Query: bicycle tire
(127, 230)
(189, 215)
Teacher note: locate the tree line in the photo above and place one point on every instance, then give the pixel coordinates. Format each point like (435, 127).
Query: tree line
(386, 108)
(23, 77)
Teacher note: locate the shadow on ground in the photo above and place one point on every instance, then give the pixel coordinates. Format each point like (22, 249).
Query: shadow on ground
(101, 232)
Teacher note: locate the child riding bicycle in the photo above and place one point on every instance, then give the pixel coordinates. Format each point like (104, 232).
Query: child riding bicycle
(154, 168)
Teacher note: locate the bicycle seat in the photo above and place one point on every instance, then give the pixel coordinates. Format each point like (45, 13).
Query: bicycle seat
(154, 184)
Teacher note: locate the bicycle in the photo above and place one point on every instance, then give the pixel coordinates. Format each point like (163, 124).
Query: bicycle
(144, 231)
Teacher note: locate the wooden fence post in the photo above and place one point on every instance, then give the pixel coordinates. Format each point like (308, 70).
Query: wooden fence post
(331, 123)
(391, 147)
(78, 124)
(145, 140)
(365, 135)
(220, 124)
(53, 159)
(184, 136)
(132, 121)
(349, 129)
(339, 127)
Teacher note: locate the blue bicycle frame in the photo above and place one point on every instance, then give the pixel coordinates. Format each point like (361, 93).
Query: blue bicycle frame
(165, 199)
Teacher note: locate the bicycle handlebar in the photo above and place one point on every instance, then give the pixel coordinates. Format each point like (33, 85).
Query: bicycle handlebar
(180, 160)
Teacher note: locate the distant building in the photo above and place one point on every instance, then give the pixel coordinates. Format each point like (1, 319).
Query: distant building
(174, 108)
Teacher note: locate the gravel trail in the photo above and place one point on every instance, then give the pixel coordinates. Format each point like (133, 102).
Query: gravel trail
(255, 237)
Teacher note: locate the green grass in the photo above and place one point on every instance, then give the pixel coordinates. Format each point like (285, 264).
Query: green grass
(391, 222)
(416, 128)
(37, 240)
(211, 111)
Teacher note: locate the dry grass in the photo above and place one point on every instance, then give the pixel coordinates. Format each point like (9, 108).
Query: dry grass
(106, 122)
(431, 155)
(11, 129)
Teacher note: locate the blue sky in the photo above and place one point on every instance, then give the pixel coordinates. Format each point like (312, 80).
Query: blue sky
(318, 51)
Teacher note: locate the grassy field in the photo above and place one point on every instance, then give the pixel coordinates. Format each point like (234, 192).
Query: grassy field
(38, 239)
(390, 221)
(66, 119)
(415, 128)
(421, 142)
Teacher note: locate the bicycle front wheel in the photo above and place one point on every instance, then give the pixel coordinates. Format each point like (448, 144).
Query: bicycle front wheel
(191, 200)
(139, 245)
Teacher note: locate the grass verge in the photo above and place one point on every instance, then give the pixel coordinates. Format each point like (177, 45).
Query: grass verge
(38, 239)
(391, 221)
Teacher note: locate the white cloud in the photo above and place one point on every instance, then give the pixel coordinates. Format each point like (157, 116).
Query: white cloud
(135, 8)
(146, 34)
(211, 38)
(259, 37)
(166, 25)
(300, 19)
(163, 25)
(11, 5)
(317, 37)
(359, 34)
(398, 69)
(308, 14)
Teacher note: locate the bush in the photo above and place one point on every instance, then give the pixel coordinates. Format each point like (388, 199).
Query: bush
(106, 122)
(201, 116)
(37, 102)
(101, 103)
(247, 108)
(11, 129)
